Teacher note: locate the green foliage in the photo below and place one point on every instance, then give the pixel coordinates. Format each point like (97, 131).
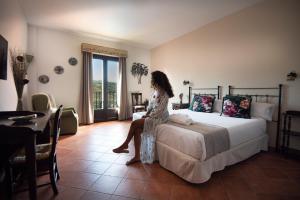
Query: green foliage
(97, 86)
(112, 94)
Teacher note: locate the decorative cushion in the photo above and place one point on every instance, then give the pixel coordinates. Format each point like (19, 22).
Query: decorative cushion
(202, 103)
(237, 106)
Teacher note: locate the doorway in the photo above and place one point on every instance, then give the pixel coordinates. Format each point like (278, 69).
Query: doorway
(105, 82)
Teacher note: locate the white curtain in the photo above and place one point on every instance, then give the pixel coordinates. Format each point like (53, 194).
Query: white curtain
(122, 90)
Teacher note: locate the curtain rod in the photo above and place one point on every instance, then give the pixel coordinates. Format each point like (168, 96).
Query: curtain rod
(103, 50)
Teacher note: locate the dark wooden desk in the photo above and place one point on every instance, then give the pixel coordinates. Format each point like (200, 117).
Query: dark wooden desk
(25, 135)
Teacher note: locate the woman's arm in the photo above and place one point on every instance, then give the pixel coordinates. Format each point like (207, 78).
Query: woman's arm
(149, 108)
(160, 107)
(148, 112)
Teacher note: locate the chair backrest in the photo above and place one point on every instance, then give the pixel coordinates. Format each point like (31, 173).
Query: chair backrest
(56, 130)
(40, 102)
(136, 98)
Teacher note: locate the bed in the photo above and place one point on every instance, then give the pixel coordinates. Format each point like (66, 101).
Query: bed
(183, 151)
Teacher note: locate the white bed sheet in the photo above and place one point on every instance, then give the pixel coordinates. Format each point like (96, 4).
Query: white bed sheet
(192, 143)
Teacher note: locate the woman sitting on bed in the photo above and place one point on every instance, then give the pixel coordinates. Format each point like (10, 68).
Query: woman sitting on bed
(143, 129)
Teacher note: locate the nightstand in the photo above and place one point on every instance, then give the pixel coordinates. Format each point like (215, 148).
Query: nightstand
(289, 116)
(177, 106)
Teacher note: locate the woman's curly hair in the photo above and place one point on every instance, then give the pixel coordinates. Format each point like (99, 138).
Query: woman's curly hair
(160, 79)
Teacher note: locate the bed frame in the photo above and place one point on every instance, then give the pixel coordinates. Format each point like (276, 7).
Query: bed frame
(215, 92)
(267, 98)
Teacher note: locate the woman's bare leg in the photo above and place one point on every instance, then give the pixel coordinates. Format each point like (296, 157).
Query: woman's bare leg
(137, 124)
(137, 147)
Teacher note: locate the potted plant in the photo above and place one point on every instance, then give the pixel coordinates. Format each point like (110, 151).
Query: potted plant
(20, 63)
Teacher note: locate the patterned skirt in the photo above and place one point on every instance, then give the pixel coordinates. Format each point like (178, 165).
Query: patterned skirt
(148, 139)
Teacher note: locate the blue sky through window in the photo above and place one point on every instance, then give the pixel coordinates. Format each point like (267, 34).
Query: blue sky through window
(113, 70)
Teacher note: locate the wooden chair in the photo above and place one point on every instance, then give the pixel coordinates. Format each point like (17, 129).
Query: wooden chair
(137, 102)
(45, 156)
(2, 174)
(2, 183)
(5, 178)
(5, 188)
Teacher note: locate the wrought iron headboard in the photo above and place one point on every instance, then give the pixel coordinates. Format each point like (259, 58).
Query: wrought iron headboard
(216, 93)
(267, 98)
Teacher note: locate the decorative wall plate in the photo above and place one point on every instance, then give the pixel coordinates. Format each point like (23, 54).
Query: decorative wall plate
(44, 79)
(73, 61)
(59, 69)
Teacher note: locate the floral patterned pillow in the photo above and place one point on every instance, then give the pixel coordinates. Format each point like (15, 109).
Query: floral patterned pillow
(237, 106)
(202, 103)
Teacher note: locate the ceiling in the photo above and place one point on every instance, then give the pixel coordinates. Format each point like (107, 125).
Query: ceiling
(145, 23)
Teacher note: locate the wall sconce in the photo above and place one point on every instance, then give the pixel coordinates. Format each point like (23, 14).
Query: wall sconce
(185, 82)
(291, 76)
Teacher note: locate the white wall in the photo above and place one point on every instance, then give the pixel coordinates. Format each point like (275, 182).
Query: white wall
(256, 47)
(54, 47)
(13, 27)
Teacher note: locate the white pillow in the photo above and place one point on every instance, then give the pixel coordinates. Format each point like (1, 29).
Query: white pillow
(262, 110)
(217, 106)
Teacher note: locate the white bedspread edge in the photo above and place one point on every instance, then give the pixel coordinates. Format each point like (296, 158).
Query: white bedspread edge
(196, 171)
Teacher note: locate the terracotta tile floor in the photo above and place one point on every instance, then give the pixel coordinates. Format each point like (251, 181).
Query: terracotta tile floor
(91, 171)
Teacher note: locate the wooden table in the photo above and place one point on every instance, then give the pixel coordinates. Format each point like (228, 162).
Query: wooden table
(25, 135)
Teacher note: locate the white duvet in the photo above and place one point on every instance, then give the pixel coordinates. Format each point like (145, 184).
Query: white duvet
(192, 143)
